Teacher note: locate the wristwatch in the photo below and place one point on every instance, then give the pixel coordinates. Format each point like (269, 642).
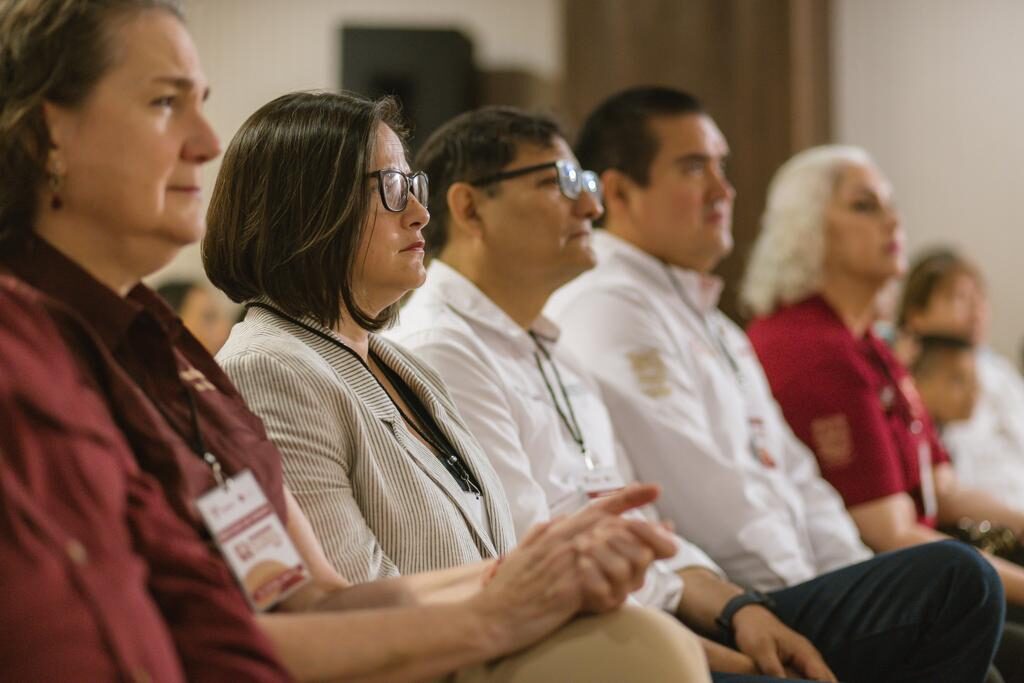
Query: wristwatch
(724, 620)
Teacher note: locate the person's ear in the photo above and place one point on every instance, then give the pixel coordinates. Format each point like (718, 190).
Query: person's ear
(618, 193)
(463, 209)
(59, 124)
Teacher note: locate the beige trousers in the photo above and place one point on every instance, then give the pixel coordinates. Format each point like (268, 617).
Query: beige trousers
(627, 645)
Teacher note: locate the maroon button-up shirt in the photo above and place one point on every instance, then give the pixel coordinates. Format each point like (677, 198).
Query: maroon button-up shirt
(169, 365)
(100, 579)
(850, 400)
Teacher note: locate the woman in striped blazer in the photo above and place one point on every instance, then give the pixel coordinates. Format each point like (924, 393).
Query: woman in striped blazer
(321, 251)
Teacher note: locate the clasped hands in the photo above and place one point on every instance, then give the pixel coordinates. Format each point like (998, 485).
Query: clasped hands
(589, 562)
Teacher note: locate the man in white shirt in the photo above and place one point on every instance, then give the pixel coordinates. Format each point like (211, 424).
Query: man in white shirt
(512, 213)
(687, 395)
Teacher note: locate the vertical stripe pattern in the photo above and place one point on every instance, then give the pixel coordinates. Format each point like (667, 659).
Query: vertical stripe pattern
(380, 502)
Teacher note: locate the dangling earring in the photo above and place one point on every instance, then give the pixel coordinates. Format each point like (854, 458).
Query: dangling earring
(56, 182)
(55, 179)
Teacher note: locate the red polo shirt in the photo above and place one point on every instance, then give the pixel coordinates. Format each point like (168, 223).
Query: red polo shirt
(102, 581)
(169, 365)
(850, 400)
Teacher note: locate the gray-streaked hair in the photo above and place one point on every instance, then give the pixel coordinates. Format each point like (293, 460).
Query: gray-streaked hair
(786, 260)
(56, 51)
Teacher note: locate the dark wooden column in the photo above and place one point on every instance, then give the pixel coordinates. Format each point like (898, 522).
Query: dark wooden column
(761, 67)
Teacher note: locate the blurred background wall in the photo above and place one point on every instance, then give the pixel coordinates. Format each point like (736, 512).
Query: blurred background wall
(929, 87)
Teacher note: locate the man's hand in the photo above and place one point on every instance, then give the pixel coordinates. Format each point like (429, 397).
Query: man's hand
(776, 648)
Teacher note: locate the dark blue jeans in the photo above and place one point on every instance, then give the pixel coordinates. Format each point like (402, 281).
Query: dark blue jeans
(930, 614)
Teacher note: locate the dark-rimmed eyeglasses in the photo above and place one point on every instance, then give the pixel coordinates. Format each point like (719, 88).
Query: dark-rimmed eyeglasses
(572, 180)
(395, 187)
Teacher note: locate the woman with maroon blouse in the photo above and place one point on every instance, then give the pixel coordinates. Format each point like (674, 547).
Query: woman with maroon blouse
(831, 240)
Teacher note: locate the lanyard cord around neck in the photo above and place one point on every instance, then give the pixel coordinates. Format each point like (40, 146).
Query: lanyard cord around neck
(710, 331)
(196, 443)
(434, 436)
(199, 446)
(443, 450)
(757, 443)
(568, 416)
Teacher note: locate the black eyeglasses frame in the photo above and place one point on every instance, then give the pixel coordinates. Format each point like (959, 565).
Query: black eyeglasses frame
(563, 166)
(409, 179)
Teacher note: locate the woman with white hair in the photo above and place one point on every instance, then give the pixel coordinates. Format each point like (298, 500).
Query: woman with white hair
(831, 241)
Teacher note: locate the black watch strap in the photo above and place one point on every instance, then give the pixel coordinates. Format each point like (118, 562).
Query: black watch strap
(724, 619)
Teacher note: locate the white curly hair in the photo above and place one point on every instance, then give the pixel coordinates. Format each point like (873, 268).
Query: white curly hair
(786, 260)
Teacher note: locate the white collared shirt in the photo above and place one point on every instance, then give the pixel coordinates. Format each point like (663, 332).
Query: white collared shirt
(988, 449)
(489, 364)
(690, 403)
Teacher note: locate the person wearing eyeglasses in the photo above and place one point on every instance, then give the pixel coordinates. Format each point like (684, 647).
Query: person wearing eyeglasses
(374, 451)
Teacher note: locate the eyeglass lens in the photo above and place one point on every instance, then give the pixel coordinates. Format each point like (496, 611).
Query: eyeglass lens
(572, 181)
(396, 186)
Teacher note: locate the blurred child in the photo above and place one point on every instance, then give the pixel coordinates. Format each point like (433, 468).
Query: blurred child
(946, 377)
(945, 295)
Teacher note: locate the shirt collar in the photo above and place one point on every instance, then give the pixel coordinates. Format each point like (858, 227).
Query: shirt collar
(457, 292)
(109, 315)
(701, 290)
(829, 313)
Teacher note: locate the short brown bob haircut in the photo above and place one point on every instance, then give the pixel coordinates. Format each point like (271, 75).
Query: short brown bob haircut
(290, 205)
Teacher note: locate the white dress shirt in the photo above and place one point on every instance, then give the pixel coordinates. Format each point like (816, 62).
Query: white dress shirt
(489, 364)
(988, 449)
(692, 406)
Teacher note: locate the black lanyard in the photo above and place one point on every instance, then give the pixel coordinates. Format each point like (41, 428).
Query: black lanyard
(567, 416)
(434, 436)
(196, 444)
(199, 447)
(442, 447)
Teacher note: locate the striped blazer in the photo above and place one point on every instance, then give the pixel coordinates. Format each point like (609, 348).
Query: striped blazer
(380, 502)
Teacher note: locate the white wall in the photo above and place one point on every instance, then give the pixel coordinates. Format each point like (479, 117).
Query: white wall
(255, 50)
(933, 89)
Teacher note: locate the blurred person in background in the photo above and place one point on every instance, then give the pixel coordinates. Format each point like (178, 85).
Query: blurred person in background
(944, 372)
(200, 311)
(831, 240)
(945, 294)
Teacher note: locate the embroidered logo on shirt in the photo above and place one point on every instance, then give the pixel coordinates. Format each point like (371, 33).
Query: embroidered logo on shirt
(651, 373)
(196, 379)
(833, 441)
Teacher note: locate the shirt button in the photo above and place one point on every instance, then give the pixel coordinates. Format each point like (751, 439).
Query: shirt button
(77, 552)
(141, 676)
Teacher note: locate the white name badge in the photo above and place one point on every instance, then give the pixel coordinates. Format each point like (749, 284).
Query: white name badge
(253, 541)
(601, 481)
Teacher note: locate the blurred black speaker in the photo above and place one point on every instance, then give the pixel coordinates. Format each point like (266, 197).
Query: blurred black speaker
(431, 72)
